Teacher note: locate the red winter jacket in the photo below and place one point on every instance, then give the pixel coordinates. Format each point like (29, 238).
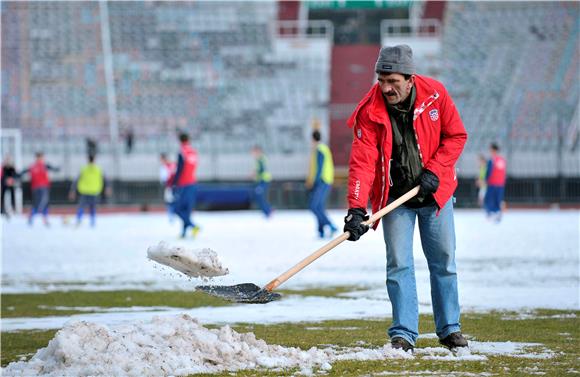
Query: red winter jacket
(439, 132)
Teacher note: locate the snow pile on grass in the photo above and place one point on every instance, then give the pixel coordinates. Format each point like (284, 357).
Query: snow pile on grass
(195, 263)
(173, 346)
(180, 345)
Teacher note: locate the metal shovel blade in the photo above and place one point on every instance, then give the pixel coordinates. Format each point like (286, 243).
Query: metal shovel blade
(245, 293)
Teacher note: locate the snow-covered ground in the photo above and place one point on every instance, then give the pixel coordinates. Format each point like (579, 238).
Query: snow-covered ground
(530, 260)
(181, 345)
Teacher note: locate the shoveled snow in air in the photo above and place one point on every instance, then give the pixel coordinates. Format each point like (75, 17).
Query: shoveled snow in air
(202, 263)
(180, 346)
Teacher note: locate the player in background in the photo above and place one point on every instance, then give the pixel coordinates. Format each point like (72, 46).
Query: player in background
(166, 174)
(40, 186)
(89, 184)
(495, 178)
(319, 182)
(480, 181)
(184, 185)
(262, 178)
(9, 176)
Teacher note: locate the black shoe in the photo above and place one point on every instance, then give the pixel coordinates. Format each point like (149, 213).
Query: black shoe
(400, 343)
(454, 340)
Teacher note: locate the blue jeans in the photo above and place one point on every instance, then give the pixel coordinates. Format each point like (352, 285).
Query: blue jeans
(91, 202)
(317, 205)
(438, 241)
(261, 195)
(184, 202)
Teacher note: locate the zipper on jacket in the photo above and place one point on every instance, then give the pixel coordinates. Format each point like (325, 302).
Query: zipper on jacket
(382, 176)
(390, 178)
(416, 114)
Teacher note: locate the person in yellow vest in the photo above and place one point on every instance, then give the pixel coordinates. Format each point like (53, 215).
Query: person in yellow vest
(319, 182)
(262, 178)
(89, 185)
(480, 181)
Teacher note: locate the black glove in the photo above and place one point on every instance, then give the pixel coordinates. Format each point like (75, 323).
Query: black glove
(428, 184)
(353, 223)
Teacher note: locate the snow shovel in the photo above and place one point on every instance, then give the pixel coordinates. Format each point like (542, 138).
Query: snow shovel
(252, 294)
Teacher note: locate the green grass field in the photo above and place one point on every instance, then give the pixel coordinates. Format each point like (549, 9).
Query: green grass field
(559, 331)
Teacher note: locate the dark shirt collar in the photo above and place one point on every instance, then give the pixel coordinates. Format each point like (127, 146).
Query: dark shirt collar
(406, 105)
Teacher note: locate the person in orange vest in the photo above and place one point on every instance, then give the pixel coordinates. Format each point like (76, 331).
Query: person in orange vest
(495, 178)
(184, 185)
(40, 186)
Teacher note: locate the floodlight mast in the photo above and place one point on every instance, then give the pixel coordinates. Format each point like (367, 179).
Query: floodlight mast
(110, 83)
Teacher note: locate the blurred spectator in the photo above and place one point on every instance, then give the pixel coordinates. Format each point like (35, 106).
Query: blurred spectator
(262, 178)
(89, 185)
(40, 186)
(495, 178)
(129, 140)
(319, 182)
(9, 177)
(166, 173)
(184, 185)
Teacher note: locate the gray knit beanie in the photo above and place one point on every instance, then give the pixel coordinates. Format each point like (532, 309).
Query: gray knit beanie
(397, 59)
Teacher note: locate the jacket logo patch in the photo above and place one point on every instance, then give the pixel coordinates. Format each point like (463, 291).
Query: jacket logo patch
(434, 115)
(358, 133)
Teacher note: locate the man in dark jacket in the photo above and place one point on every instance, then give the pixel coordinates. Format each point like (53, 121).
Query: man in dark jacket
(9, 177)
(407, 132)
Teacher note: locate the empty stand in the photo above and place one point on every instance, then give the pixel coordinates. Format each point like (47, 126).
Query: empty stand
(226, 72)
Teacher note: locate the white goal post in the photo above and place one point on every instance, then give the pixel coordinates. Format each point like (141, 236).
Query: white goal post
(11, 145)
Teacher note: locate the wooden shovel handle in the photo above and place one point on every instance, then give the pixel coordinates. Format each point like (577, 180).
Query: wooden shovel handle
(337, 241)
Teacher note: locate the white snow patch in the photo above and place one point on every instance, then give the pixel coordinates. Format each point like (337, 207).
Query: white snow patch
(432, 373)
(502, 348)
(478, 351)
(443, 354)
(194, 263)
(534, 315)
(100, 309)
(346, 328)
